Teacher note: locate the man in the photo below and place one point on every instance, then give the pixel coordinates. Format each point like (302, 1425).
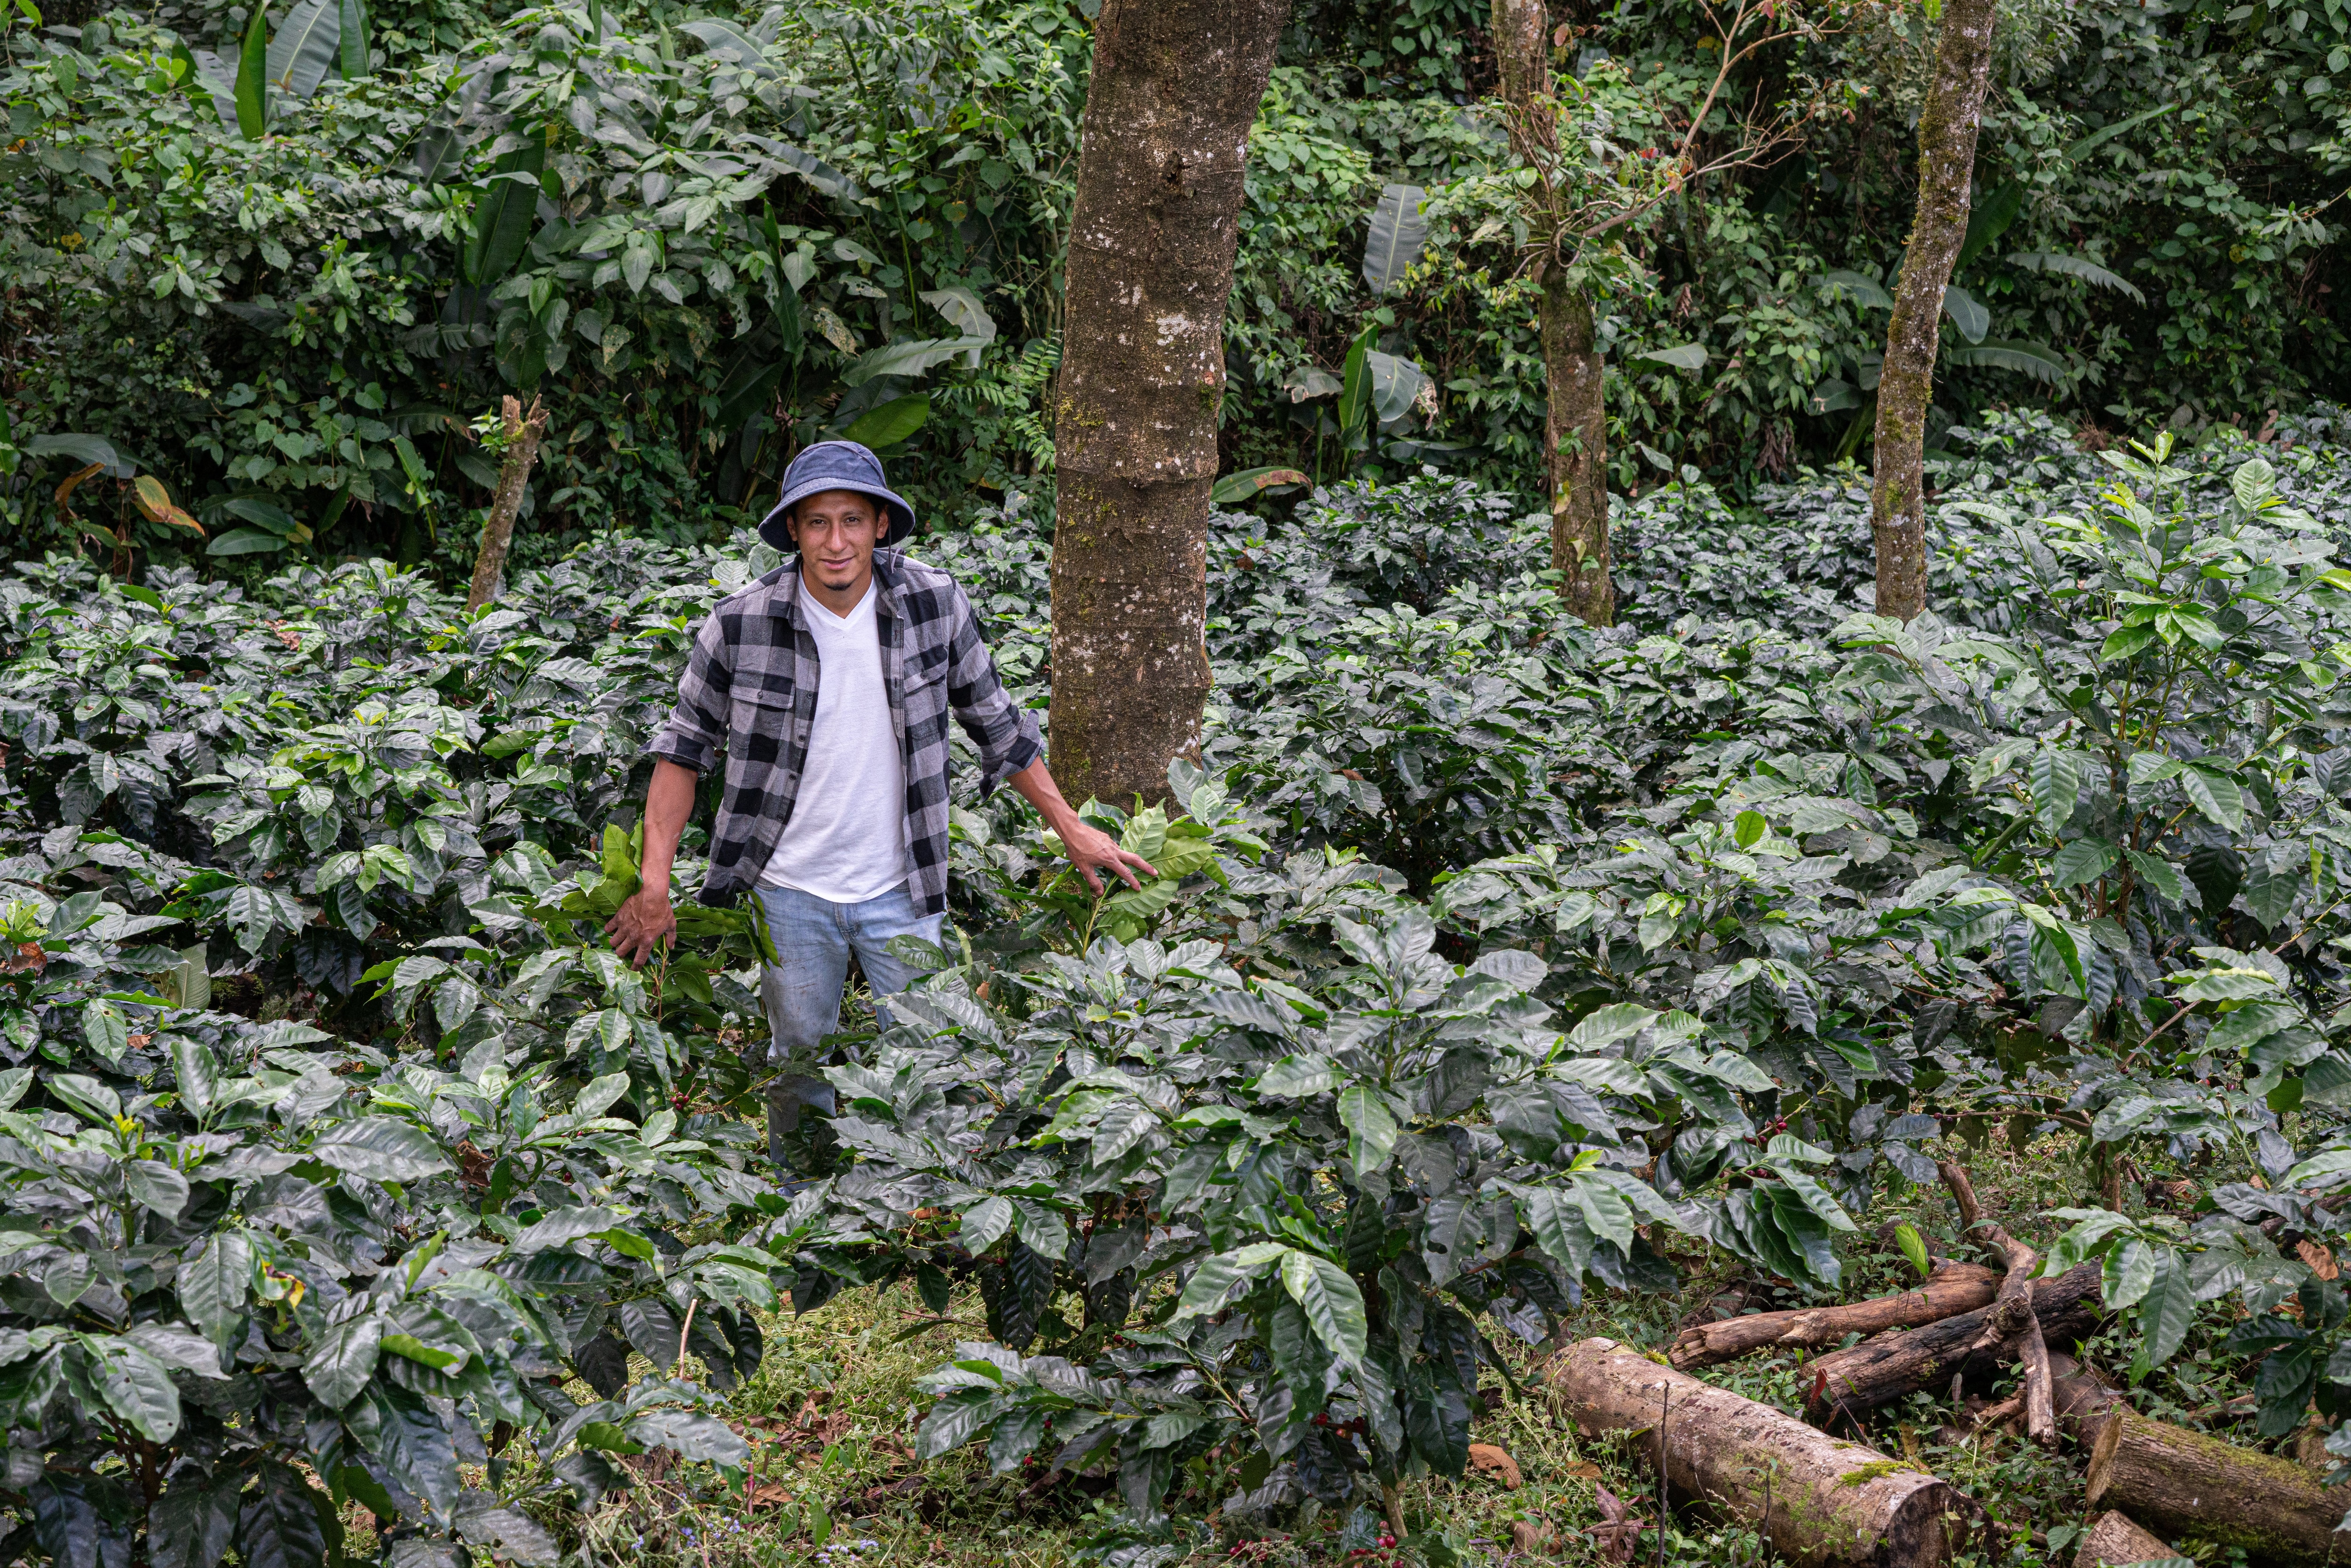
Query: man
(827, 684)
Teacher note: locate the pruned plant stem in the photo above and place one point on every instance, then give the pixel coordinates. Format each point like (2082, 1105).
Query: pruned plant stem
(523, 434)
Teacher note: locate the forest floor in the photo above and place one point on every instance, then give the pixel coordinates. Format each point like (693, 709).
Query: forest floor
(833, 1408)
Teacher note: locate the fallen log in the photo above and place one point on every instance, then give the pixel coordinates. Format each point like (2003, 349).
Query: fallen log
(1879, 1370)
(2186, 1483)
(1950, 1290)
(2115, 1542)
(1820, 1502)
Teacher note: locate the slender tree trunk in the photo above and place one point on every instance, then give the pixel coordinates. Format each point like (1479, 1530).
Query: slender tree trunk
(1175, 90)
(1947, 158)
(1575, 430)
(523, 435)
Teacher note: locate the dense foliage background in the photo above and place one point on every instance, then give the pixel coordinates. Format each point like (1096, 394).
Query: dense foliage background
(704, 236)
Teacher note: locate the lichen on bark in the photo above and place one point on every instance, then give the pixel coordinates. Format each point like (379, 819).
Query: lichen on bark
(1947, 156)
(1175, 89)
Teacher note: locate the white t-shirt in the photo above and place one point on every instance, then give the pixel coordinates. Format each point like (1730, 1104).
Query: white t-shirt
(846, 842)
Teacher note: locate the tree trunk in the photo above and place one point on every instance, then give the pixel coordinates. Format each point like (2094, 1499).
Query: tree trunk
(1952, 1288)
(1947, 158)
(1175, 90)
(2113, 1541)
(2186, 1483)
(1881, 1370)
(523, 436)
(1575, 428)
(1818, 1499)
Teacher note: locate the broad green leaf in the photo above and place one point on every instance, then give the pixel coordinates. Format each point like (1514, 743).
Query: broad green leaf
(2215, 794)
(1212, 1284)
(352, 38)
(135, 1385)
(1332, 1304)
(1914, 1248)
(1399, 232)
(2088, 1239)
(105, 1030)
(889, 423)
(2163, 877)
(343, 1359)
(438, 1357)
(381, 1148)
(156, 1186)
(1967, 313)
(1364, 1112)
(1683, 357)
(2055, 783)
(1606, 1025)
(306, 47)
(2129, 1272)
(2166, 1309)
(213, 1285)
(984, 1223)
(2082, 861)
(1298, 1077)
(1866, 292)
(253, 85)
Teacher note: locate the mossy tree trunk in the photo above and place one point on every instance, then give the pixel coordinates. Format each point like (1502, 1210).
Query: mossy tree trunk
(1905, 384)
(1175, 90)
(1575, 427)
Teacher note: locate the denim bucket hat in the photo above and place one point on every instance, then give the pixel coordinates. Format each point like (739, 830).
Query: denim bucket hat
(836, 465)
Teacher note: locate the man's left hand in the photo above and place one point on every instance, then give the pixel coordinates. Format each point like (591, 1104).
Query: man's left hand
(1090, 848)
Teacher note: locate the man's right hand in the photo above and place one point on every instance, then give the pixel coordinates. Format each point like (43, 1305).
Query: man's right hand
(644, 921)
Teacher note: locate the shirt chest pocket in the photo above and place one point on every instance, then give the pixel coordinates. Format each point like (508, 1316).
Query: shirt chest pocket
(925, 685)
(761, 729)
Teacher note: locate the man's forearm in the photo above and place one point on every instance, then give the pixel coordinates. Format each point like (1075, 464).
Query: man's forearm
(668, 803)
(1036, 785)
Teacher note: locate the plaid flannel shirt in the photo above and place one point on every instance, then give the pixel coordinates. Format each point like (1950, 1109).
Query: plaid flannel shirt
(749, 691)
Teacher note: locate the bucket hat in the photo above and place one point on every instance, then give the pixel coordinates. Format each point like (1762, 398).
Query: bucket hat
(836, 465)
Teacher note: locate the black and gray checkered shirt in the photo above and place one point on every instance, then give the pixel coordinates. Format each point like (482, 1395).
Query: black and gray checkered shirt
(750, 690)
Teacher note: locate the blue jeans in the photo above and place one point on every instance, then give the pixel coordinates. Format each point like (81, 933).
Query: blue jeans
(801, 990)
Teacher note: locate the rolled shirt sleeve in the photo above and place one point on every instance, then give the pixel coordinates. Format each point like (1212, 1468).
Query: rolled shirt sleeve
(1007, 734)
(695, 732)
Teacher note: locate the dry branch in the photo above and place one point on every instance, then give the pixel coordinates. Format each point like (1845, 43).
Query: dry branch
(2186, 1483)
(2012, 1315)
(1831, 1502)
(1952, 1288)
(1880, 1371)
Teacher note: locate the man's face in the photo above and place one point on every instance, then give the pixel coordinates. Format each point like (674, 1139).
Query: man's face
(836, 531)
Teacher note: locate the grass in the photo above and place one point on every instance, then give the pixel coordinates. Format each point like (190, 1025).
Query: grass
(832, 1412)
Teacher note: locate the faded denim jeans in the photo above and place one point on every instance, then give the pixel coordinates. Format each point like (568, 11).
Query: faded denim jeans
(802, 991)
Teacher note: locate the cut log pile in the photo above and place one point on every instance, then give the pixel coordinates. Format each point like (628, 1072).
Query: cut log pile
(1822, 1500)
